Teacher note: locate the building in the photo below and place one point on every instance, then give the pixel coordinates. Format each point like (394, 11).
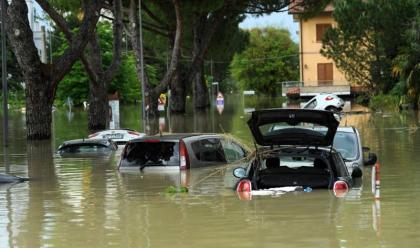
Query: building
(37, 25)
(317, 73)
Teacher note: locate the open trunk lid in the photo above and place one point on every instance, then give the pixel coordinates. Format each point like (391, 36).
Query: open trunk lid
(293, 127)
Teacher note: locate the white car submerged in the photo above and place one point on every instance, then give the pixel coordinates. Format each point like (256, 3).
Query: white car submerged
(119, 136)
(325, 101)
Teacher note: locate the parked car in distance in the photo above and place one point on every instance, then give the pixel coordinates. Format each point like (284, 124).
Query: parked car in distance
(119, 136)
(325, 101)
(181, 151)
(4, 178)
(298, 154)
(87, 146)
(347, 141)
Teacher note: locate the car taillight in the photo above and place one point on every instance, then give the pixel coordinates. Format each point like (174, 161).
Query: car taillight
(340, 188)
(133, 133)
(244, 186)
(93, 135)
(151, 141)
(329, 98)
(183, 156)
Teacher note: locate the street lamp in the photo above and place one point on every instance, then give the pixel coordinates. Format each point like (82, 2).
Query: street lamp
(4, 73)
(143, 83)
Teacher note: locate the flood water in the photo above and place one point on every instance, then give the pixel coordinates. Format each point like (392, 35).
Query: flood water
(86, 202)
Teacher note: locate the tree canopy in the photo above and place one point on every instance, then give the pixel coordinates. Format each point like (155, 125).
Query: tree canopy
(364, 45)
(270, 58)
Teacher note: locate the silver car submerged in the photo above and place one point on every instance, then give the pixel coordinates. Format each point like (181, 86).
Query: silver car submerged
(348, 142)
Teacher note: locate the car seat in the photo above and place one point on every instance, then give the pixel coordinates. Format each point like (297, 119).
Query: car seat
(319, 164)
(271, 163)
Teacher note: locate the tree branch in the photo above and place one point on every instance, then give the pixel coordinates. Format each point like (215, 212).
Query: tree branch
(176, 51)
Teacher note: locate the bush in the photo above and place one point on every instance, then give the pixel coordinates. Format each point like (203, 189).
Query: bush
(384, 102)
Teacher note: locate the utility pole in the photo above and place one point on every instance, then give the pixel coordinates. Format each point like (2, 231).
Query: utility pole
(143, 83)
(4, 74)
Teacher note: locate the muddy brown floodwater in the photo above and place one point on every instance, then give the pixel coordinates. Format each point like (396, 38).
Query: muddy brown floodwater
(86, 202)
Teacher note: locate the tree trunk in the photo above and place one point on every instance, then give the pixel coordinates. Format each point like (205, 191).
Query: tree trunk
(42, 79)
(99, 114)
(200, 90)
(177, 98)
(152, 93)
(98, 117)
(38, 109)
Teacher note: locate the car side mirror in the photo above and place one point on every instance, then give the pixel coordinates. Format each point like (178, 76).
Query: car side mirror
(239, 172)
(371, 160)
(357, 172)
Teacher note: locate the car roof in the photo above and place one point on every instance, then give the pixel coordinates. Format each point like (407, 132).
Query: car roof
(171, 137)
(118, 129)
(346, 129)
(104, 142)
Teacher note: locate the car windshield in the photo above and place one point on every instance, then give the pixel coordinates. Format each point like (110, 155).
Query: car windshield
(151, 154)
(84, 148)
(346, 144)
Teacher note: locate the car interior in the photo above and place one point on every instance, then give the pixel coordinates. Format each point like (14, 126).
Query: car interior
(151, 154)
(294, 171)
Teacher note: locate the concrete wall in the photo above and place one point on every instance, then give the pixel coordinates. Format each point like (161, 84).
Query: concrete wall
(310, 49)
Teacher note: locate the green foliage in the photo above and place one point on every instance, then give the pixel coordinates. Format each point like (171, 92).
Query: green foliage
(270, 58)
(174, 190)
(407, 63)
(383, 102)
(76, 83)
(364, 45)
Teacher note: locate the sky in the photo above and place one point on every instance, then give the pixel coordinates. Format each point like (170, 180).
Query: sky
(280, 20)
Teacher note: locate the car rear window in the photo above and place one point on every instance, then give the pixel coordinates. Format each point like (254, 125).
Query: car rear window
(151, 154)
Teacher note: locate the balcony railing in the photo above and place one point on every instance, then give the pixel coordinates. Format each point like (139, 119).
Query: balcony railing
(298, 88)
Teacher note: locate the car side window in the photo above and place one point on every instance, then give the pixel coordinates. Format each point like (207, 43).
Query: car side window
(233, 151)
(312, 104)
(209, 150)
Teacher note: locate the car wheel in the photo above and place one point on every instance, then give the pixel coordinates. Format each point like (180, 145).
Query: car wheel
(332, 109)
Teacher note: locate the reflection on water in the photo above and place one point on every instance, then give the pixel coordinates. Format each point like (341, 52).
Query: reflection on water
(85, 202)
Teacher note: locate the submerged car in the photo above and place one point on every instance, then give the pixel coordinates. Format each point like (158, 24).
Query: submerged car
(87, 146)
(4, 178)
(325, 101)
(295, 153)
(119, 136)
(347, 141)
(181, 151)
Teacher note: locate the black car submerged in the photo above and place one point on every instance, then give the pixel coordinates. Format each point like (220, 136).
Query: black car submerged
(297, 154)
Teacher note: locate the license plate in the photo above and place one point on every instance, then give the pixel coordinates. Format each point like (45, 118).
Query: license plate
(113, 136)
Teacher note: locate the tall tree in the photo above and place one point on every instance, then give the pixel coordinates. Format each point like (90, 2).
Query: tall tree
(271, 57)
(407, 63)
(152, 92)
(364, 45)
(100, 78)
(42, 79)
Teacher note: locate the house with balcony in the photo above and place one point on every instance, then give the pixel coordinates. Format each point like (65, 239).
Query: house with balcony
(317, 73)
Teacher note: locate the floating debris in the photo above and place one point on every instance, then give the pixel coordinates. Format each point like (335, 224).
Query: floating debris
(278, 191)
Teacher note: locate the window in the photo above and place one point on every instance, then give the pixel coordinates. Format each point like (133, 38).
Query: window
(209, 150)
(320, 30)
(325, 74)
(311, 105)
(233, 151)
